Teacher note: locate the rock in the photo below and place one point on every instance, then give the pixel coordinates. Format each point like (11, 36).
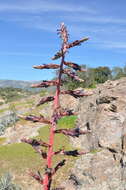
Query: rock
(15, 134)
(113, 108)
(105, 99)
(105, 114)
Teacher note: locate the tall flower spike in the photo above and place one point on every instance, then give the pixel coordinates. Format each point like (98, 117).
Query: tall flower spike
(57, 111)
(64, 36)
(63, 33)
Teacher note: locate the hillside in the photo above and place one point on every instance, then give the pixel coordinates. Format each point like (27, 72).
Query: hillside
(25, 85)
(15, 84)
(103, 165)
(18, 158)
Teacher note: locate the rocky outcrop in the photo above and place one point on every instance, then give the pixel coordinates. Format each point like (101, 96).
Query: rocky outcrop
(105, 114)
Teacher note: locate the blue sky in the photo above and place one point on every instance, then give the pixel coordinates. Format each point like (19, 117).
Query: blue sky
(28, 34)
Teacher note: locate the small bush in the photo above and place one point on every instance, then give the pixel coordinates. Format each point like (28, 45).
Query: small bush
(7, 184)
(8, 121)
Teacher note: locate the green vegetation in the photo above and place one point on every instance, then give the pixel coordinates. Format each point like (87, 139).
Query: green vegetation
(7, 184)
(2, 140)
(19, 157)
(94, 76)
(1, 103)
(67, 122)
(10, 94)
(16, 157)
(24, 104)
(94, 151)
(8, 120)
(60, 140)
(118, 72)
(3, 110)
(43, 93)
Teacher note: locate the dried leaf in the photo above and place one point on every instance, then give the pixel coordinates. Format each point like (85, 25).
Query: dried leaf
(47, 66)
(72, 75)
(74, 66)
(72, 132)
(76, 93)
(35, 142)
(74, 153)
(69, 45)
(45, 100)
(41, 152)
(40, 119)
(45, 84)
(57, 55)
(59, 165)
(68, 113)
(77, 42)
(37, 177)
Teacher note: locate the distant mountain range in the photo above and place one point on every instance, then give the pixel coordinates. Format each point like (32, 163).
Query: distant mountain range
(15, 84)
(22, 84)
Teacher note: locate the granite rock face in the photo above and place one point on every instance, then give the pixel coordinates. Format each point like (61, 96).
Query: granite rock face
(104, 167)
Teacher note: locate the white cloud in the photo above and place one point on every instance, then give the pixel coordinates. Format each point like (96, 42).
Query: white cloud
(114, 45)
(42, 6)
(14, 53)
(97, 19)
(82, 20)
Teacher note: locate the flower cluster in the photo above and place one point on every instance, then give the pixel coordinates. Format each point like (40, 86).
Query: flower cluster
(58, 112)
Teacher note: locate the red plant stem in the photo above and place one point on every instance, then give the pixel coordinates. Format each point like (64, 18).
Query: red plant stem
(56, 101)
(47, 179)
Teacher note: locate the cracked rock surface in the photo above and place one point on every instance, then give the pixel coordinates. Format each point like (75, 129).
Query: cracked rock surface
(105, 114)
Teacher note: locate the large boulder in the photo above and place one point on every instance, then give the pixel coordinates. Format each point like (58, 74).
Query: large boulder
(104, 167)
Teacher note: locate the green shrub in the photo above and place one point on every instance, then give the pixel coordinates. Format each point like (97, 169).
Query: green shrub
(7, 184)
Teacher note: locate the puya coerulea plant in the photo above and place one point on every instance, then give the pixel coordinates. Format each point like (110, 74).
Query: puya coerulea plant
(50, 171)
